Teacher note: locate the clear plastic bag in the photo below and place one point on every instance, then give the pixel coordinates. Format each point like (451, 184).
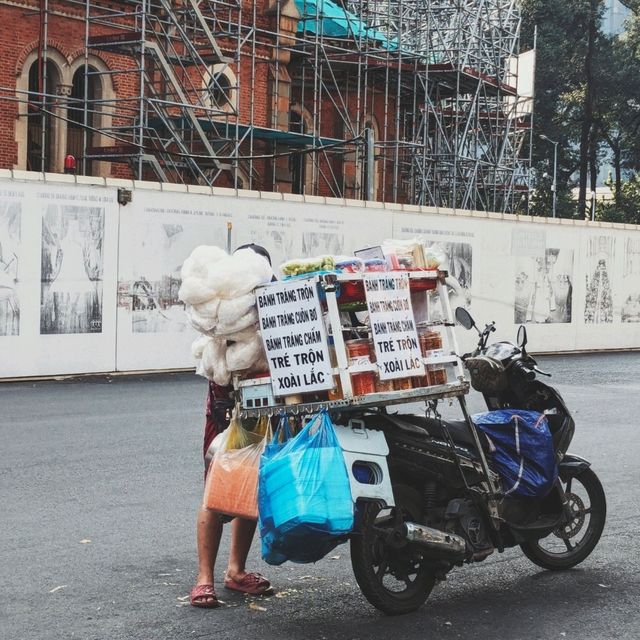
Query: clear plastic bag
(232, 310)
(232, 482)
(238, 437)
(198, 345)
(249, 319)
(197, 264)
(218, 444)
(203, 324)
(242, 355)
(308, 265)
(208, 309)
(213, 363)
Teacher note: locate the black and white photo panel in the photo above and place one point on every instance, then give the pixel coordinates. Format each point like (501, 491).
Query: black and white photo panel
(600, 257)
(10, 222)
(71, 269)
(630, 281)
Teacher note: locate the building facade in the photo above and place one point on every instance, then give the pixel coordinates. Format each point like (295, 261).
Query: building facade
(408, 101)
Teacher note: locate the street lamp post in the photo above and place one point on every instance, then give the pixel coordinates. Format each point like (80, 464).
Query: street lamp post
(554, 186)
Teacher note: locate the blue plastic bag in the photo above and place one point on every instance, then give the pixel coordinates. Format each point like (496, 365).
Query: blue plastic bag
(265, 520)
(524, 456)
(304, 496)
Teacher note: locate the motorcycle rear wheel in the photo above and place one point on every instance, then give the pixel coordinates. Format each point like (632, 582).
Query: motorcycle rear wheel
(393, 580)
(574, 551)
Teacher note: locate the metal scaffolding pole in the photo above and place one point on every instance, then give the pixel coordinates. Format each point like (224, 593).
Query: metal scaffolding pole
(437, 82)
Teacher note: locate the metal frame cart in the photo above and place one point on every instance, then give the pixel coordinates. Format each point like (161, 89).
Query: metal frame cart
(257, 397)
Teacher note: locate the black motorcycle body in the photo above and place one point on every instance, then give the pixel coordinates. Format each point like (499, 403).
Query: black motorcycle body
(450, 508)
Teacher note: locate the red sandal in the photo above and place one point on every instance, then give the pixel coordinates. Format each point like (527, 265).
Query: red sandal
(200, 594)
(254, 584)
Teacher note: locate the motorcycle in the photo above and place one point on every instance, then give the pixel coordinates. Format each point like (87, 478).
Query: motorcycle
(450, 506)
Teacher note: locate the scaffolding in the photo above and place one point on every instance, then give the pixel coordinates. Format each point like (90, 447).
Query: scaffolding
(413, 101)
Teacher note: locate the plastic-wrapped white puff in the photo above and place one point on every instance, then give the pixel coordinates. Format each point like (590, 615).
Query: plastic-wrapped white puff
(238, 274)
(214, 362)
(200, 323)
(248, 321)
(198, 345)
(232, 309)
(196, 265)
(208, 309)
(242, 355)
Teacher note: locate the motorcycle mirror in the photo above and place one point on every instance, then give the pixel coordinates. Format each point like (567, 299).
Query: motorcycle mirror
(522, 337)
(464, 318)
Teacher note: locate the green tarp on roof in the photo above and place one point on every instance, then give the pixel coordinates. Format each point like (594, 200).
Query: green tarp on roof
(225, 131)
(328, 18)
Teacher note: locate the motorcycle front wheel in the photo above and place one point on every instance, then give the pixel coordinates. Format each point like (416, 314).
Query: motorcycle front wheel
(572, 543)
(394, 579)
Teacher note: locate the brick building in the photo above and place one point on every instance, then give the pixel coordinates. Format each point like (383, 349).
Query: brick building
(328, 98)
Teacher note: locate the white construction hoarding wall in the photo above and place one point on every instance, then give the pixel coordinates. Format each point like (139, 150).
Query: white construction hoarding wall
(88, 285)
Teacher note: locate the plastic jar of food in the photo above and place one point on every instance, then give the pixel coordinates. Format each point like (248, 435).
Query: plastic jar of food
(403, 384)
(405, 262)
(335, 393)
(354, 265)
(375, 264)
(359, 353)
(431, 346)
(382, 386)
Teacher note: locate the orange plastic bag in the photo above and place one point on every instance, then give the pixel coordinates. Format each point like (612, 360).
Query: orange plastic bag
(232, 482)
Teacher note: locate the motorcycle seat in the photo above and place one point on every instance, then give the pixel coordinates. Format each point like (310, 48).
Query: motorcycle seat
(457, 428)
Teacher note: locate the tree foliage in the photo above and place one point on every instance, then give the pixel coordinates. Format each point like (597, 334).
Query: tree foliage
(588, 99)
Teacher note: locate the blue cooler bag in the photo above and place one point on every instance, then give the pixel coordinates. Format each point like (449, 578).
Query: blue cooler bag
(304, 495)
(524, 456)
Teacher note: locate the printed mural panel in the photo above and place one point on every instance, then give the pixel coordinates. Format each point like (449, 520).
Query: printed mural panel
(10, 249)
(599, 262)
(630, 281)
(71, 269)
(58, 267)
(543, 279)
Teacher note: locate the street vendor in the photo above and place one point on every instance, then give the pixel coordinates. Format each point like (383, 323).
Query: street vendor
(219, 404)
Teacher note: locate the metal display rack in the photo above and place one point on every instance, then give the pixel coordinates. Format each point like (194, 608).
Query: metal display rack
(256, 404)
(456, 388)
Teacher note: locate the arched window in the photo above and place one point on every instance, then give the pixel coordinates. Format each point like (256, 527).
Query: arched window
(297, 161)
(221, 88)
(80, 83)
(43, 80)
(301, 165)
(371, 124)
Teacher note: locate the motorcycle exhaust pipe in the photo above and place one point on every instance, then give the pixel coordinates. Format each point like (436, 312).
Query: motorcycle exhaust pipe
(435, 540)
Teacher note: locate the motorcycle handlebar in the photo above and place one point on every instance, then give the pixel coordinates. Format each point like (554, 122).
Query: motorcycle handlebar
(523, 371)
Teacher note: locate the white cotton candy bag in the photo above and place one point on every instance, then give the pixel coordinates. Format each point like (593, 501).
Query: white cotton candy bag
(231, 310)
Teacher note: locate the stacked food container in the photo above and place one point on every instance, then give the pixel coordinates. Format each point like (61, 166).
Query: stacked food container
(356, 302)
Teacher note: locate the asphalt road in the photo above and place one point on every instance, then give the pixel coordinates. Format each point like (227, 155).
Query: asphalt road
(100, 481)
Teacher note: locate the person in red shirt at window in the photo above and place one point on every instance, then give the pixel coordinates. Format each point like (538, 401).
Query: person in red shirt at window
(219, 405)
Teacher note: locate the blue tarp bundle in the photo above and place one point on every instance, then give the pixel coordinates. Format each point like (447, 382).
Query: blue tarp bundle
(524, 456)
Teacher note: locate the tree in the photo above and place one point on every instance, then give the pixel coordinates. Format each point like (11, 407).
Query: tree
(562, 44)
(587, 98)
(626, 208)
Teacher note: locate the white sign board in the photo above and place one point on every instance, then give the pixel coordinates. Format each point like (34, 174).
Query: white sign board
(393, 327)
(294, 338)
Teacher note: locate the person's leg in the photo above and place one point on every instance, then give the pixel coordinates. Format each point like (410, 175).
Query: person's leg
(237, 577)
(241, 538)
(208, 534)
